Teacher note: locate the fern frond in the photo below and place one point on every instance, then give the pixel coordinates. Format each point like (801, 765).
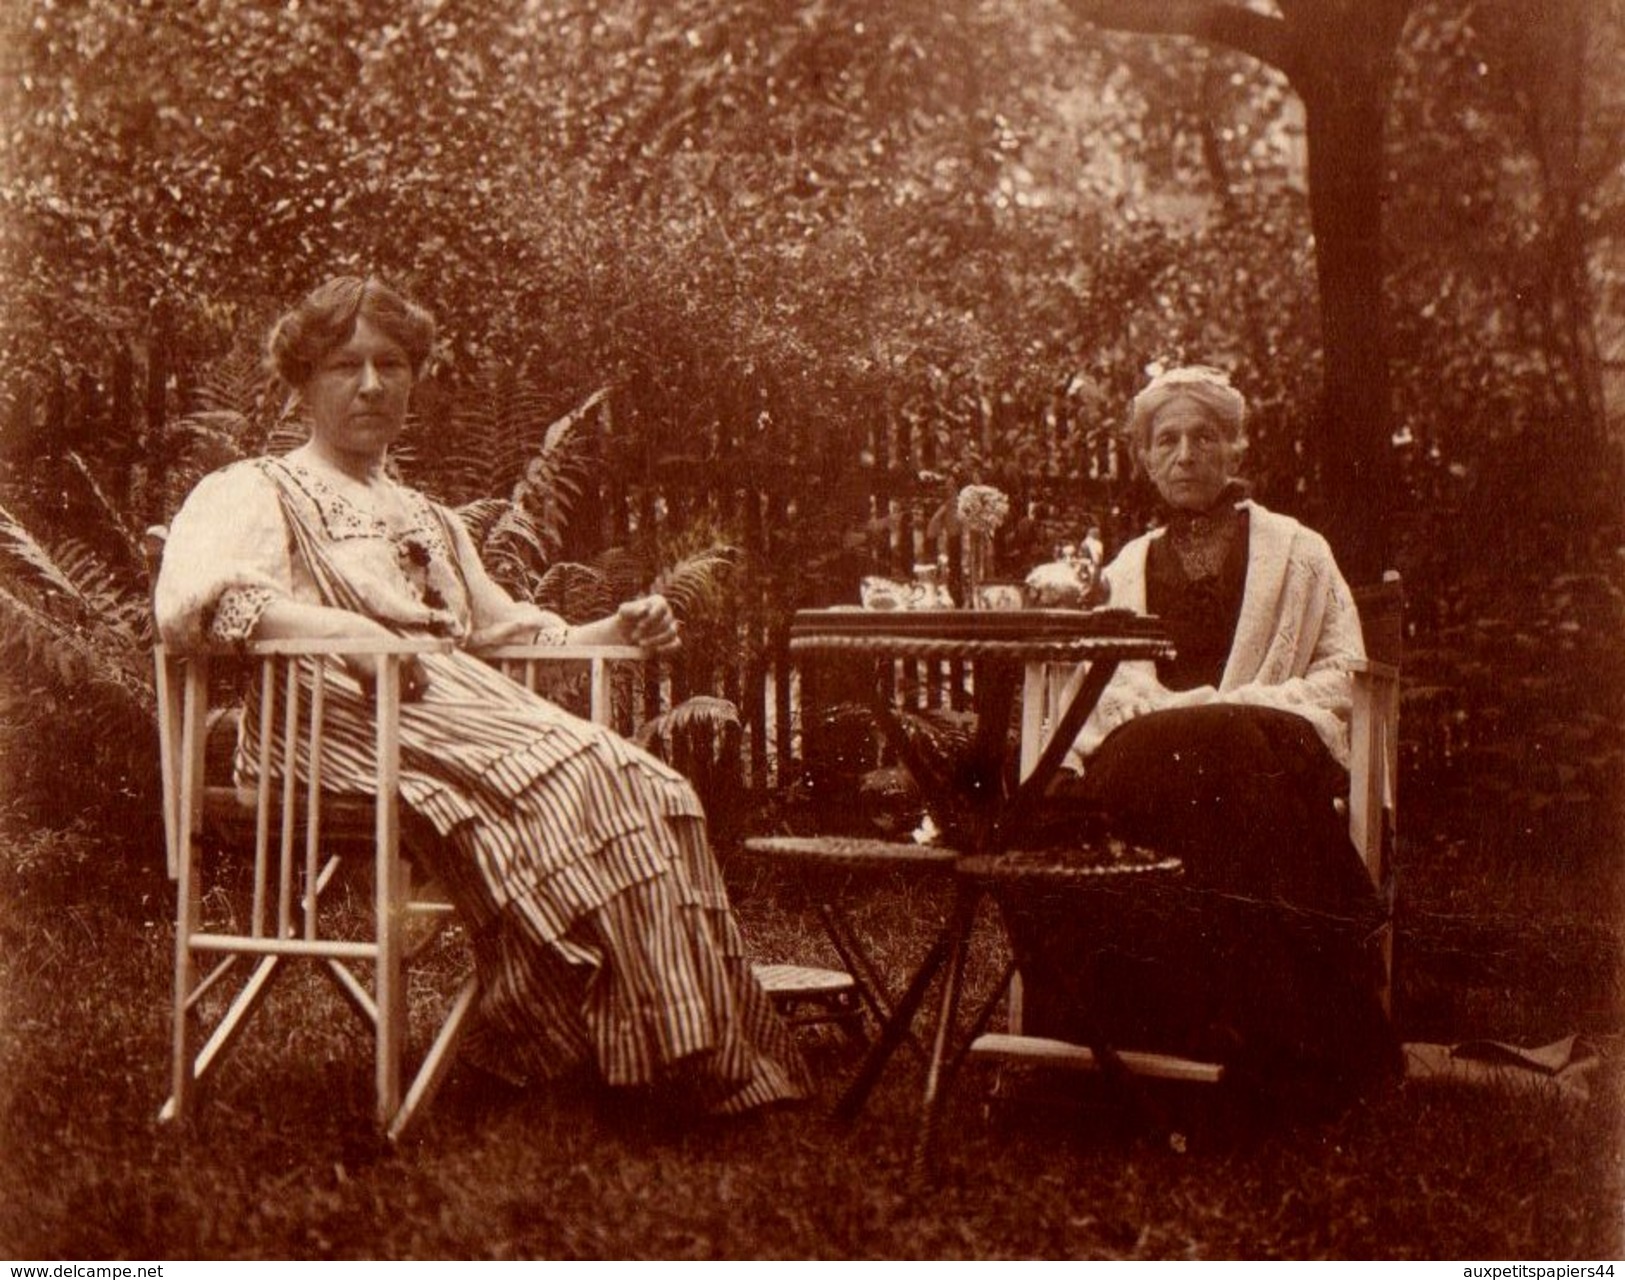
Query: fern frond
(28, 551)
(480, 515)
(556, 433)
(204, 441)
(940, 735)
(626, 572)
(491, 434)
(516, 525)
(707, 720)
(223, 429)
(111, 512)
(76, 660)
(238, 410)
(237, 382)
(510, 542)
(702, 738)
(697, 584)
(108, 601)
(507, 563)
(72, 580)
(577, 592)
(555, 477)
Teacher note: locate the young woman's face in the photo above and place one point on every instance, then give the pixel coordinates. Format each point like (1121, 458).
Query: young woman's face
(358, 395)
(1189, 457)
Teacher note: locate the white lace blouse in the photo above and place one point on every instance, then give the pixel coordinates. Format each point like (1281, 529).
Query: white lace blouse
(231, 551)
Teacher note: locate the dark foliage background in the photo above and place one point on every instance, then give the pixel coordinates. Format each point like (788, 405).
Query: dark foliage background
(734, 295)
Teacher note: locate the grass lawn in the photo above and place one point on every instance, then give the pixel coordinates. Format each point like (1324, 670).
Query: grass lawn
(282, 1163)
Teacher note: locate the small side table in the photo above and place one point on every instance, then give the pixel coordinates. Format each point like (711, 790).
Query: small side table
(981, 803)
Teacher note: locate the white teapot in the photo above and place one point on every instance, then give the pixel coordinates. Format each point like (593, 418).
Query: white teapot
(1068, 581)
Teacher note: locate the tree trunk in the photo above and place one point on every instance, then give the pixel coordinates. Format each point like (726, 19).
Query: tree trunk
(1356, 471)
(1338, 55)
(1341, 65)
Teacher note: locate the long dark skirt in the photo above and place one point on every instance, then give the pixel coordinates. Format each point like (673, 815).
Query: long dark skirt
(1263, 956)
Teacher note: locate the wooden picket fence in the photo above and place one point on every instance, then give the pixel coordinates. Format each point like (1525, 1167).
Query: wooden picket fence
(121, 418)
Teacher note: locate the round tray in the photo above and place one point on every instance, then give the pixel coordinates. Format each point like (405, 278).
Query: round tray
(1106, 859)
(851, 853)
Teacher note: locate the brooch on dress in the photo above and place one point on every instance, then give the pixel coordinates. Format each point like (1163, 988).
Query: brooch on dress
(415, 559)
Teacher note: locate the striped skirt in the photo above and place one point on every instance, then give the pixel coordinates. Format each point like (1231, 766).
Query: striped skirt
(579, 864)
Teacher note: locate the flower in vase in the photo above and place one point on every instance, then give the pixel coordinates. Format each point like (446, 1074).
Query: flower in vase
(982, 508)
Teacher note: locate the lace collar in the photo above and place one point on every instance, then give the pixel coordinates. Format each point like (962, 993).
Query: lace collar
(343, 506)
(1201, 540)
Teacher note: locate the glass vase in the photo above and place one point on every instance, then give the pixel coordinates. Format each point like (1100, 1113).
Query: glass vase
(977, 556)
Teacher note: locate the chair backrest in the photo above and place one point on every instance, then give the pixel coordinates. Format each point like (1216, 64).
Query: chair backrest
(152, 552)
(1382, 618)
(169, 681)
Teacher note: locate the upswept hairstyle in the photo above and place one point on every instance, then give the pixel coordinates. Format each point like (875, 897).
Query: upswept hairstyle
(326, 318)
(1207, 386)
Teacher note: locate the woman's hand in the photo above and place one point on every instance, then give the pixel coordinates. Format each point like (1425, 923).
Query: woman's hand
(412, 674)
(649, 623)
(1142, 700)
(414, 678)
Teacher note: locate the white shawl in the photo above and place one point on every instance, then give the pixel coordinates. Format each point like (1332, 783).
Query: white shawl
(1296, 636)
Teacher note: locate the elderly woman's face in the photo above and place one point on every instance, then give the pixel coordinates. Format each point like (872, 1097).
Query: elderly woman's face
(357, 397)
(1189, 455)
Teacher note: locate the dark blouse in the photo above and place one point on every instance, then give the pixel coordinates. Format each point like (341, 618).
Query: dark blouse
(1200, 607)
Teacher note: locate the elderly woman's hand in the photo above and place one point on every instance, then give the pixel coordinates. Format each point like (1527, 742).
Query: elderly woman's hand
(1143, 701)
(649, 622)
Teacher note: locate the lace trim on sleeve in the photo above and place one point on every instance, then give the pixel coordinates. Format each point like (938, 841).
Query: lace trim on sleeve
(237, 613)
(552, 630)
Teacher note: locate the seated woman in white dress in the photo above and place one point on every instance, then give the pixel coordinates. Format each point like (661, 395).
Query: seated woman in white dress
(601, 928)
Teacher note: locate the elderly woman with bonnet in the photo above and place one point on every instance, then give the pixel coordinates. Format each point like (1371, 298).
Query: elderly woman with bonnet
(601, 929)
(1232, 755)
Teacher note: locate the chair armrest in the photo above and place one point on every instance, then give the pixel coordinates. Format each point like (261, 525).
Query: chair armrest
(505, 657)
(1371, 668)
(313, 648)
(563, 653)
(377, 646)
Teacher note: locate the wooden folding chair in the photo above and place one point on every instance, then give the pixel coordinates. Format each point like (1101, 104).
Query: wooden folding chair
(299, 834)
(1371, 805)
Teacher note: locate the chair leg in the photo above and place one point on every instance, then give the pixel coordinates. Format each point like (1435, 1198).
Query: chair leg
(896, 1030)
(391, 1022)
(180, 1051)
(436, 1063)
(937, 1074)
(352, 989)
(191, 1072)
(866, 974)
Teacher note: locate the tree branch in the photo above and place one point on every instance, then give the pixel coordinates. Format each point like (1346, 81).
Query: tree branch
(1256, 34)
